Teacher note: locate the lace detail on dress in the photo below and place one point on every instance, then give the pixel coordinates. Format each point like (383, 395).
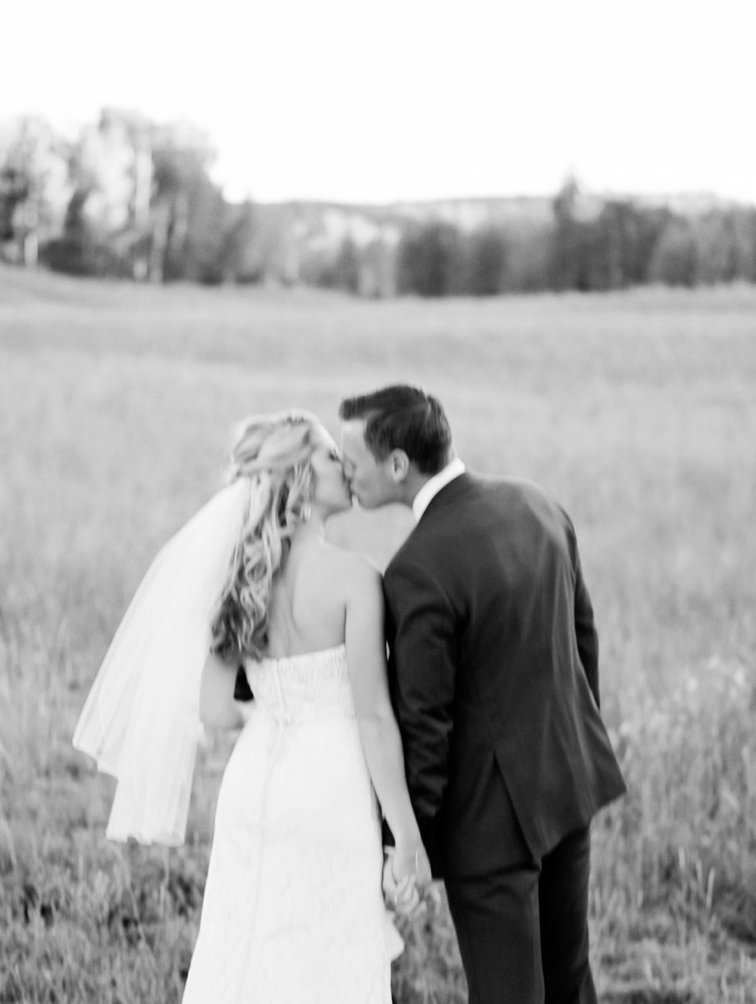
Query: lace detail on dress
(298, 688)
(293, 910)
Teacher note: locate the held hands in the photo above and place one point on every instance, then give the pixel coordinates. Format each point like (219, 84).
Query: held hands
(406, 878)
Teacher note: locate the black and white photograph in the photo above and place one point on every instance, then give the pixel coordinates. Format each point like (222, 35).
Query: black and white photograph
(377, 502)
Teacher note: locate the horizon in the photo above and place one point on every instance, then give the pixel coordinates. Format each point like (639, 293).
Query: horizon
(649, 198)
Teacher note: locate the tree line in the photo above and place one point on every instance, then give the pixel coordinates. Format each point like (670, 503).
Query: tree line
(126, 197)
(621, 244)
(131, 198)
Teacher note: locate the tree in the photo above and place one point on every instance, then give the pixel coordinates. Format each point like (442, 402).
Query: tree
(717, 257)
(75, 251)
(346, 270)
(105, 224)
(599, 246)
(487, 262)
(238, 260)
(430, 261)
(566, 253)
(187, 210)
(675, 259)
(34, 187)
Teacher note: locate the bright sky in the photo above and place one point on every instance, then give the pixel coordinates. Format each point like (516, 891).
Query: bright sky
(378, 100)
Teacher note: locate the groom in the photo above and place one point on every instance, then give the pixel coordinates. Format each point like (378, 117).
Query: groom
(494, 674)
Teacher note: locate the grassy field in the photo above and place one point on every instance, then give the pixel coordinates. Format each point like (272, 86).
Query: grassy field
(637, 411)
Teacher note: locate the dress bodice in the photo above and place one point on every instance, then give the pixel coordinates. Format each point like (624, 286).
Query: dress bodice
(297, 688)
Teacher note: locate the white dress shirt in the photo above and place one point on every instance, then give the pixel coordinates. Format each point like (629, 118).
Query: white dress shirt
(431, 488)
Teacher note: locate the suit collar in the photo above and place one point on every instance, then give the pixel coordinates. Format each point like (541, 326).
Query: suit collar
(448, 495)
(432, 487)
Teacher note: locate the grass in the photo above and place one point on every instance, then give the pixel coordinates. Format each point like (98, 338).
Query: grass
(636, 410)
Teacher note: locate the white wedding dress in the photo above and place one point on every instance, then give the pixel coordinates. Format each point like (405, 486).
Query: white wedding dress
(293, 910)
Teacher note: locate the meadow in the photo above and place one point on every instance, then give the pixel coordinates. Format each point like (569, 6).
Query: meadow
(636, 410)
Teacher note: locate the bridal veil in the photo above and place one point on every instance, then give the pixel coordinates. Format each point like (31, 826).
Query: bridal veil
(141, 719)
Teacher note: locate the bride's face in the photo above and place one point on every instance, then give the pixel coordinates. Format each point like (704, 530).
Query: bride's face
(370, 479)
(331, 487)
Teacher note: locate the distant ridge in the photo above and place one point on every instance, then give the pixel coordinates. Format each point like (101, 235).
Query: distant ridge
(312, 226)
(472, 212)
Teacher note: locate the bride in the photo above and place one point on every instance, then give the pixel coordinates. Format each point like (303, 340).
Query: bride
(293, 908)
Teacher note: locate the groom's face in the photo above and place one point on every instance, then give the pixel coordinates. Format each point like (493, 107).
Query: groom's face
(370, 479)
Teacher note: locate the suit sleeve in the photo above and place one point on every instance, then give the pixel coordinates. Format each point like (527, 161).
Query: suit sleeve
(423, 653)
(585, 629)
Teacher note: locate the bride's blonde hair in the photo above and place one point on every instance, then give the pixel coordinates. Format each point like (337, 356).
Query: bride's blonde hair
(274, 452)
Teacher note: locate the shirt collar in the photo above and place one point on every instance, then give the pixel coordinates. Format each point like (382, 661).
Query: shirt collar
(432, 487)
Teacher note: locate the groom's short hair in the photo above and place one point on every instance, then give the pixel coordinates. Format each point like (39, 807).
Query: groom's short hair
(403, 417)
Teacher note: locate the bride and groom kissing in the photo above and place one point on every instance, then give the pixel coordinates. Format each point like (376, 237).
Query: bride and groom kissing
(477, 744)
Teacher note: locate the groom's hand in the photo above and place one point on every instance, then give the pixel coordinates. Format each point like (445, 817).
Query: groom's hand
(404, 897)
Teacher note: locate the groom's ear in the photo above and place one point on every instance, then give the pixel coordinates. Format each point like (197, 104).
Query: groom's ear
(399, 464)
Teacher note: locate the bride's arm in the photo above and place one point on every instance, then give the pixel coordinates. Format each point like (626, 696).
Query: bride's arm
(218, 710)
(379, 732)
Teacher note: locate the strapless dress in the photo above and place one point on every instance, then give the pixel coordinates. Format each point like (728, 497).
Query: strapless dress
(293, 911)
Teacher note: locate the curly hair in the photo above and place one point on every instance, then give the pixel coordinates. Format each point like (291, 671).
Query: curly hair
(274, 452)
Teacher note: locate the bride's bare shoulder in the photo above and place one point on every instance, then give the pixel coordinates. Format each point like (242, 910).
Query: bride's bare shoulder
(352, 570)
(377, 533)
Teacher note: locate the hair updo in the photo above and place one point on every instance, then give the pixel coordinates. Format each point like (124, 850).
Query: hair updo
(274, 452)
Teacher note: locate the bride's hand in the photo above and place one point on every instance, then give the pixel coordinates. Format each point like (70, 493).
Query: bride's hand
(410, 866)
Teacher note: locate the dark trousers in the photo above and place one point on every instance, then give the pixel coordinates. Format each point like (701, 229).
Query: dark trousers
(523, 929)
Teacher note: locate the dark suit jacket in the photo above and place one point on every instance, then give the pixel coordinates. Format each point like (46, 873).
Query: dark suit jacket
(493, 666)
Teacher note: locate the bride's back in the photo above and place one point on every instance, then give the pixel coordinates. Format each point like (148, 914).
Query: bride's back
(307, 610)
